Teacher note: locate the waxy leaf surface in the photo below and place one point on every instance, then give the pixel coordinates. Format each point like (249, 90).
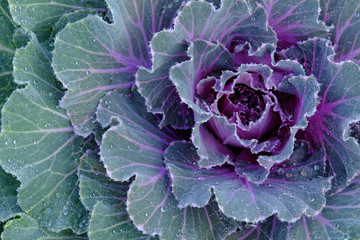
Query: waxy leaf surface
(136, 147)
(339, 106)
(339, 219)
(294, 20)
(343, 19)
(106, 199)
(38, 16)
(7, 47)
(92, 56)
(198, 20)
(31, 120)
(26, 227)
(8, 196)
(290, 197)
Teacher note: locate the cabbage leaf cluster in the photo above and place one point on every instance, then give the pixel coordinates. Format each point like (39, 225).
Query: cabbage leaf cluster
(180, 119)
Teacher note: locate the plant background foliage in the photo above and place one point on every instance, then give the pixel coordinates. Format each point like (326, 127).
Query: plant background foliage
(103, 135)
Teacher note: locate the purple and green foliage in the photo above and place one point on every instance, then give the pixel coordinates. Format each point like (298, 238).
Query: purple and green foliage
(180, 119)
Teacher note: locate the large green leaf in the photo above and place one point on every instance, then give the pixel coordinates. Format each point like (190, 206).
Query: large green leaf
(8, 196)
(39, 147)
(343, 19)
(27, 228)
(38, 16)
(32, 65)
(92, 56)
(136, 147)
(290, 197)
(106, 199)
(7, 28)
(232, 23)
(338, 220)
(67, 18)
(47, 172)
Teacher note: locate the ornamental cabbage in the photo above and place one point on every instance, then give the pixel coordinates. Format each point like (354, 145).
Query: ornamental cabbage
(180, 119)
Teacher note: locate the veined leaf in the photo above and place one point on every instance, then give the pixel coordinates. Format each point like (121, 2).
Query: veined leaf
(290, 197)
(294, 20)
(38, 16)
(233, 22)
(7, 48)
(92, 57)
(106, 199)
(338, 220)
(26, 227)
(136, 147)
(343, 19)
(339, 106)
(66, 18)
(31, 120)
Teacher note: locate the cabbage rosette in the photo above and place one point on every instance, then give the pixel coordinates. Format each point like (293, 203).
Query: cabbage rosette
(216, 119)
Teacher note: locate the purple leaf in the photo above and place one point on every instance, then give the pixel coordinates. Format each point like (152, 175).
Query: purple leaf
(339, 106)
(232, 23)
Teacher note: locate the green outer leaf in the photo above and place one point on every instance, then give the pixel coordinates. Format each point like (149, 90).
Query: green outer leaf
(70, 17)
(38, 16)
(21, 38)
(343, 18)
(197, 20)
(136, 147)
(8, 196)
(32, 65)
(96, 186)
(7, 28)
(27, 228)
(31, 120)
(92, 57)
(106, 199)
(47, 172)
(290, 197)
(339, 219)
(112, 222)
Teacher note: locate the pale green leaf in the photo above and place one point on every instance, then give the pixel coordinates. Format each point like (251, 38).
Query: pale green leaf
(106, 199)
(92, 57)
(27, 228)
(8, 196)
(38, 16)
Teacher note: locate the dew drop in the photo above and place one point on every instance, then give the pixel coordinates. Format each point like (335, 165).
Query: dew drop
(316, 167)
(281, 171)
(303, 173)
